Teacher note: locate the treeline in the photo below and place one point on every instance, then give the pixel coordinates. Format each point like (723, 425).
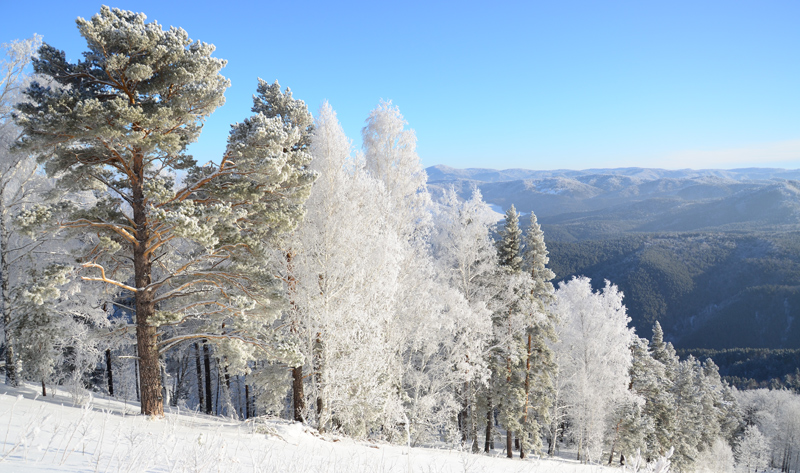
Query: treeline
(708, 290)
(752, 368)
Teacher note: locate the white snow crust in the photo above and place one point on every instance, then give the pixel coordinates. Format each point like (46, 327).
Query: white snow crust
(48, 434)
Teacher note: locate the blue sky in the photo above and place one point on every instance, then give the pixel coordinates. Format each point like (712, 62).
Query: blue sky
(536, 85)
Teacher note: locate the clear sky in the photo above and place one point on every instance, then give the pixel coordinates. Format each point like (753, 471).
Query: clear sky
(535, 84)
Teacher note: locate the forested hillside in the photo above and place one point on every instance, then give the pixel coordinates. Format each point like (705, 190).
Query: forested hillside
(714, 255)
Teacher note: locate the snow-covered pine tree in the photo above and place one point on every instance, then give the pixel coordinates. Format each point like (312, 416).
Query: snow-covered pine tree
(663, 352)
(507, 361)
(509, 248)
(273, 103)
(540, 332)
(688, 429)
(192, 255)
(650, 430)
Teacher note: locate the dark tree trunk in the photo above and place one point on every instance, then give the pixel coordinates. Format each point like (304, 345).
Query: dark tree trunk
(464, 415)
(207, 364)
(44, 389)
(509, 444)
(473, 427)
(246, 401)
(217, 406)
(488, 445)
(298, 398)
(109, 374)
(146, 338)
(231, 406)
(319, 366)
(199, 372)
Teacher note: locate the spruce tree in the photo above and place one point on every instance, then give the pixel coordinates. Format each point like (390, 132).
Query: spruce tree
(508, 359)
(540, 331)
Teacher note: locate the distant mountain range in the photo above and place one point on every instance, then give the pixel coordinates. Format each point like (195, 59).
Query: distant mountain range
(714, 255)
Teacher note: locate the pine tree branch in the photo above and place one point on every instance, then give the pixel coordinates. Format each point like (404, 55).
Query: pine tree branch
(104, 279)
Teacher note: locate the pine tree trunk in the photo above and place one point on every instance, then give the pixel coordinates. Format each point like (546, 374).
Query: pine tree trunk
(199, 372)
(146, 338)
(109, 374)
(12, 378)
(509, 444)
(298, 397)
(44, 389)
(207, 365)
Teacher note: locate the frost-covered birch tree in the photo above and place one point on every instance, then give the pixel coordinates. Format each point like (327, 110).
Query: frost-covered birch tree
(49, 322)
(390, 156)
(192, 254)
(594, 342)
(345, 269)
(18, 187)
(467, 261)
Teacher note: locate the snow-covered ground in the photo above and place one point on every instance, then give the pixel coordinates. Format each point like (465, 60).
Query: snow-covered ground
(47, 434)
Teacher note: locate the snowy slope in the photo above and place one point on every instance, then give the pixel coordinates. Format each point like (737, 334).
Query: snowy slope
(51, 434)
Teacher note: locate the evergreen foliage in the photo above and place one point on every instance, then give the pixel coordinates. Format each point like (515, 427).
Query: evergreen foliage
(118, 122)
